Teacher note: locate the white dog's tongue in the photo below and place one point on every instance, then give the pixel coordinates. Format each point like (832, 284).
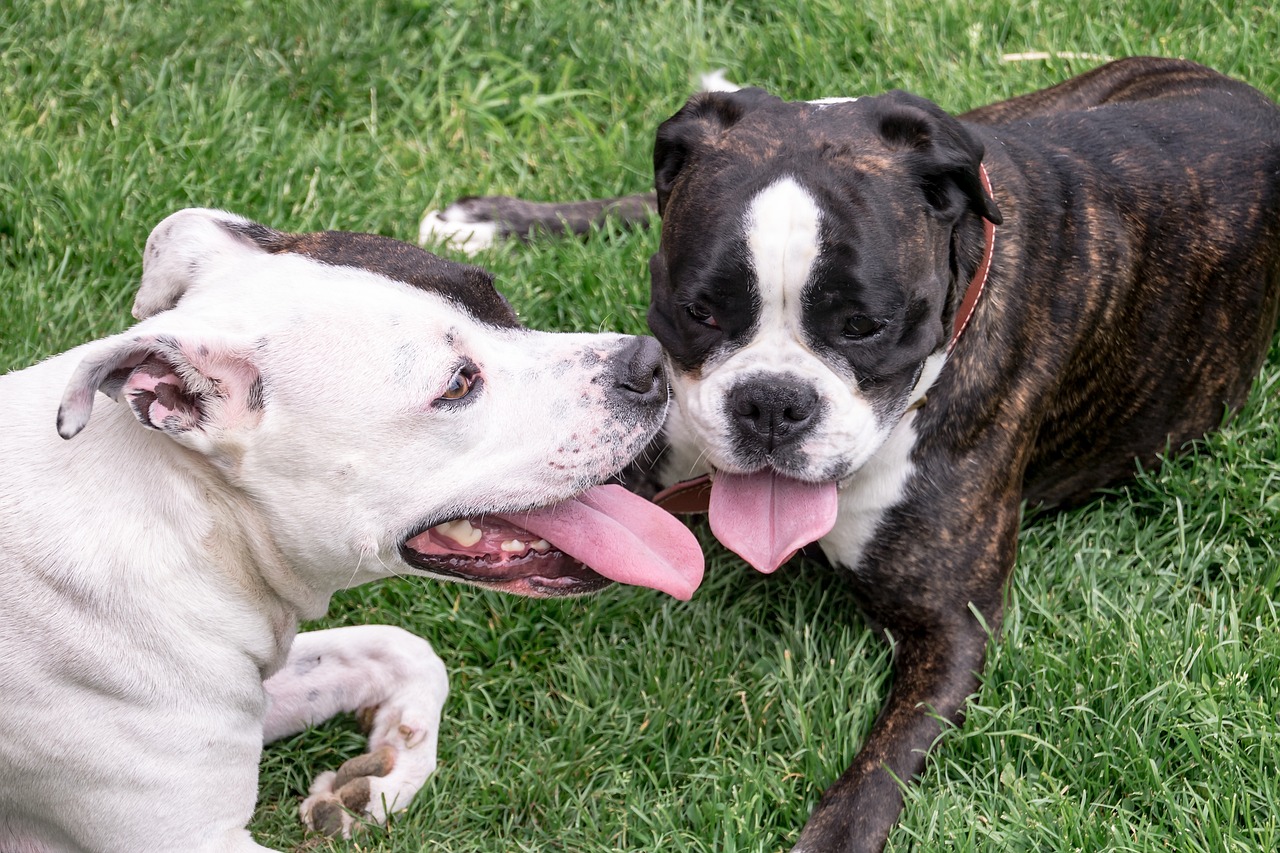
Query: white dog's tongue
(621, 536)
(765, 517)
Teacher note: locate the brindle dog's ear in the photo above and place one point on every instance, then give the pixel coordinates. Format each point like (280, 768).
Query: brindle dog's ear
(942, 151)
(702, 117)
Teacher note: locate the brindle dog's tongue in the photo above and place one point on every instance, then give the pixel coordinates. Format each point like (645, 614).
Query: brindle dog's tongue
(765, 517)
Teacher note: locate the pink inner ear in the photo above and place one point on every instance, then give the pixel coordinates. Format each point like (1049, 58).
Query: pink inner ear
(212, 388)
(160, 397)
(171, 384)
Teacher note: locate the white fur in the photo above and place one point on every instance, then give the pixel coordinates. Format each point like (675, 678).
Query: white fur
(716, 81)
(454, 228)
(820, 103)
(881, 484)
(928, 375)
(152, 579)
(365, 666)
(877, 487)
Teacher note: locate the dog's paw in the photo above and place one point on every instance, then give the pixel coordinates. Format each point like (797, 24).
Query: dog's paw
(369, 787)
(339, 800)
(468, 225)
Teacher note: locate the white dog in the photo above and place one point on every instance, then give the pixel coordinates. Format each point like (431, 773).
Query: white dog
(295, 414)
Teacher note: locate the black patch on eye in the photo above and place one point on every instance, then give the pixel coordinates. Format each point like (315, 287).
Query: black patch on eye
(861, 327)
(719, 285)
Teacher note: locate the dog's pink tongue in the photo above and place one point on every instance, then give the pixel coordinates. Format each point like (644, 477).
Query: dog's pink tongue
(621, 536)
(765, 517)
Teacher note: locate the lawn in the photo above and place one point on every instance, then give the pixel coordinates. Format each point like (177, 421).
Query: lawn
(1132, 703)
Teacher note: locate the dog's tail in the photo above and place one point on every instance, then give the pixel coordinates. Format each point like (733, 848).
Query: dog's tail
(476, 223)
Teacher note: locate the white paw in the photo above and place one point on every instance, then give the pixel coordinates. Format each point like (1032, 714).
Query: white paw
(454, 228)
(369, 787)
(404, 733)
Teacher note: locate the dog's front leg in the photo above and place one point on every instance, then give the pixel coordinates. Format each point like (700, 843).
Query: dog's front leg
(933, 674)
(926, 593)
(397, 684)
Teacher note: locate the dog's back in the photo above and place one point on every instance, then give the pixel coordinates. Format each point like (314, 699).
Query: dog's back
(1170, 176)
(1137, 78)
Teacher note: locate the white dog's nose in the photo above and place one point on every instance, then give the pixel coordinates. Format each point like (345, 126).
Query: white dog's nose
(638, 374)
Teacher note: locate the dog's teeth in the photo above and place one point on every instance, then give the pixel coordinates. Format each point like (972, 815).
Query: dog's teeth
(540, 545)
(460, 531)
(513, 545)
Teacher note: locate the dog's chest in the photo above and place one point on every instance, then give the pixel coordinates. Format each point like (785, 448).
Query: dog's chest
(871, 493)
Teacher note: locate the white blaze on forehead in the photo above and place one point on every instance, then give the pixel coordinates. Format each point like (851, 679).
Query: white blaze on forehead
(783, 237)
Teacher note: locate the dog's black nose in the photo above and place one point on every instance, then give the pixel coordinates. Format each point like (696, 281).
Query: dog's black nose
(638, 374)
(773, 412)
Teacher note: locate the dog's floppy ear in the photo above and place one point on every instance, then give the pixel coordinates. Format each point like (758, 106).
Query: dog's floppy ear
(944, 154)
(187, 386)
(183, 244)
(699, 121)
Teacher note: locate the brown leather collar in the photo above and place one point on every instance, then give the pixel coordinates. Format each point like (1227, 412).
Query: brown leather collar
(688, 497)
(694, 496)
(979, 280)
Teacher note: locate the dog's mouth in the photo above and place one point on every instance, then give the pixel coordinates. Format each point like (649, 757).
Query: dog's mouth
(573, 547)
(490, 552)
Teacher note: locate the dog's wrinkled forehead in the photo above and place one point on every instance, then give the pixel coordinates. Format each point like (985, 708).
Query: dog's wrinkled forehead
(719, 142)
(465, 285)
(733, 138)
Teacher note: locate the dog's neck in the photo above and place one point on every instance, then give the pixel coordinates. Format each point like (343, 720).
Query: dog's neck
(112, 527)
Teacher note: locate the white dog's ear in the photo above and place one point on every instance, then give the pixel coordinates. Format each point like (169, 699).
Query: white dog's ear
(190, 387)
(181, 246)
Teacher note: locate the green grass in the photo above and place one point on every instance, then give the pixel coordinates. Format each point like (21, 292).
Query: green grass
(1132, 703)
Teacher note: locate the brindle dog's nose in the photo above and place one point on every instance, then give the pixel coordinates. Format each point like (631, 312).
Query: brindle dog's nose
(638, 374)
(772, 413)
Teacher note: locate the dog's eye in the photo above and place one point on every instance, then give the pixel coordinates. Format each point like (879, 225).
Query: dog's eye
(701, 314)
(460, 384)
(861, 326)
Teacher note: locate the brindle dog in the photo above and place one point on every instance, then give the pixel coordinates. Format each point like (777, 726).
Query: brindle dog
(1078, 278)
